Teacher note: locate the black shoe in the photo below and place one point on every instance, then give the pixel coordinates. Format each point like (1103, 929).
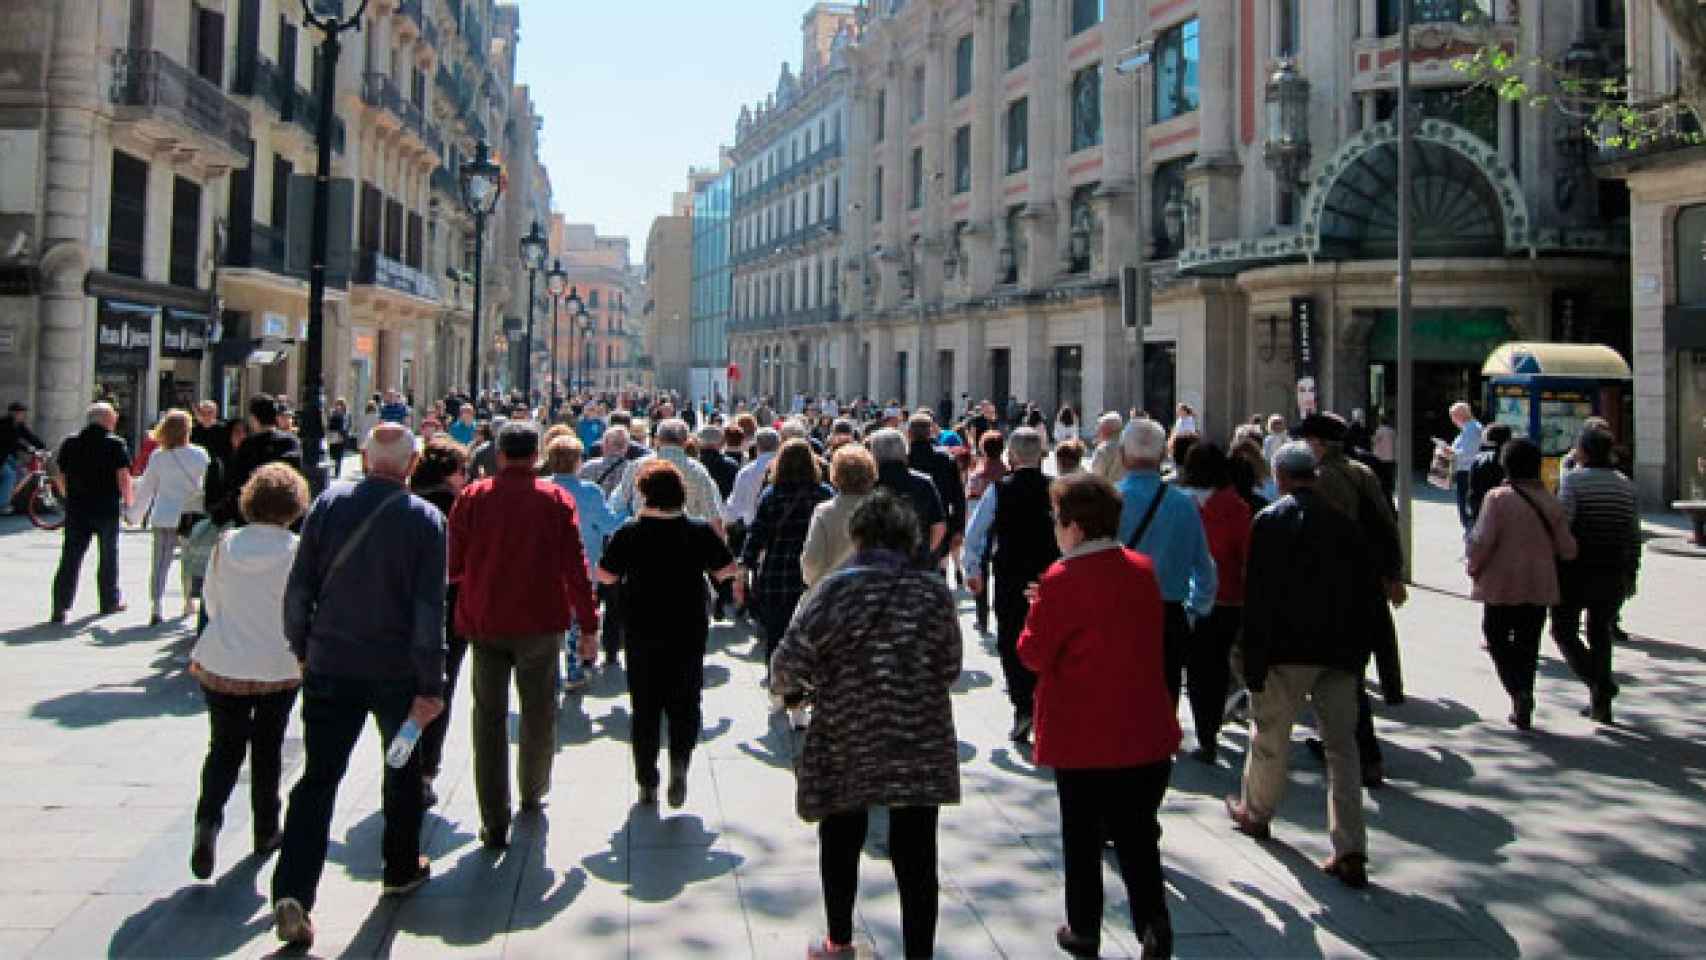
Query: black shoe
(1522, 712)
(429, 796)
(266, 843)
(1021, 732)
(409, 884)
(202, 850)
(1373, 775)
(1206, 755)
(1076, 945)
(494, 839)
(58, 616)
(1158, 940)
(536, 805)
(677, 786)
(649, 796)
(118, 607)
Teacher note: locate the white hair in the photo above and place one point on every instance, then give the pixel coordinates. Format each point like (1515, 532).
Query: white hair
(615, 436)
(99, 412)
(672, 431)
(888, 446)
(389, 447)
(1025, 446)
(1143, 440)
(793, 429)
(1109, 424)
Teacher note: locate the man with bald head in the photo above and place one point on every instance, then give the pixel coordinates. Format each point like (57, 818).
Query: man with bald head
(364, 613)
(92, 473)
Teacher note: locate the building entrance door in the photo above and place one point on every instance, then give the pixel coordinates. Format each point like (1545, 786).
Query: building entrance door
(1450, 347)
(1000, 376)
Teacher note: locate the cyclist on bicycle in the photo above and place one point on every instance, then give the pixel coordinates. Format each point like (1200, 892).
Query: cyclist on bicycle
(16, 440)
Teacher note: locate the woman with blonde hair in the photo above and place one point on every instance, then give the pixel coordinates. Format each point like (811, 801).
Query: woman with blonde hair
(169, 493)
(853, 474)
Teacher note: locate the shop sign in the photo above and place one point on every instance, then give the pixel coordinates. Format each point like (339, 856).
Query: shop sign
(364, 344)
(1305, 341)
(182, 335)
(123, 336)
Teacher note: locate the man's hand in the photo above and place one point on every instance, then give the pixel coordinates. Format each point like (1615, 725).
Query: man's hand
(588, 645)
(425, 710)
(974, 583)
(1031, 592)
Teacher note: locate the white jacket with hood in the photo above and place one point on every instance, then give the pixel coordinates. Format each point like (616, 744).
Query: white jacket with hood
(244, 596)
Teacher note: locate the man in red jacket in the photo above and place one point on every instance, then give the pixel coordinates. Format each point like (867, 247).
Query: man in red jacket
(515, 552)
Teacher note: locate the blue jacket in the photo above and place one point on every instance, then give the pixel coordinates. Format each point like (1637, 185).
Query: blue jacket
(382, 613)
(596, 521)
(1175, 541)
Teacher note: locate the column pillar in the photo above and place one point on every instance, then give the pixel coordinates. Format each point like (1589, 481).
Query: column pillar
(988, 161)
(1046, 119)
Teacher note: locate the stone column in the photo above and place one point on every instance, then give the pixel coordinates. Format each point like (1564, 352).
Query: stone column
(63, 364)
(1046, 119)
(988, 160)
(1369, 20)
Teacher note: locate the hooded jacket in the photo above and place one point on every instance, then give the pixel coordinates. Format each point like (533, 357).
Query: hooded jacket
(244, 595)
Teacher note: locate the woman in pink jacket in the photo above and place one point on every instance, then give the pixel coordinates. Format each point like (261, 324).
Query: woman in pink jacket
(1513, 548)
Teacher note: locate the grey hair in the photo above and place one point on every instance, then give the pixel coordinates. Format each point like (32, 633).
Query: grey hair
(99, 412)
(672, 431)
(1025, 446)
(888, 446)
(885, 522)
(1109, 423)
(389, 446)
(711, 436)
(768, 440)
(617, 433)
(1143, 440)
(793, 428)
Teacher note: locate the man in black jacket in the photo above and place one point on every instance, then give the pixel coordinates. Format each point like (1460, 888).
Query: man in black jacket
(265, 444)
(888, 446)
(1304, 639)
(722, 468)
(923, 456)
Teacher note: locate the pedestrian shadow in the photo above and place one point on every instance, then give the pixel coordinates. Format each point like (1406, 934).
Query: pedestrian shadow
(1002, 759)
(199, 921)
(1440, 714)
(660, 874)
(716, 675)
(168, 691)
(777, 747)
(45, 632)
(716, 730)
(970, 680)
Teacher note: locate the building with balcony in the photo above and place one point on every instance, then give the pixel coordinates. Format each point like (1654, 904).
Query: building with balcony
(785, 221)
(712, 287)
(604, 345)
(1666, 175)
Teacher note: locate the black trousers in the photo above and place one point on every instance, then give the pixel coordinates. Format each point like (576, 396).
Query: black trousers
(912, 853)
(337, 452)
(334, 709)
(1011, 609)
(431, 747)
(664, 684)
(1122, 805)
(1513, 641)
(1208, 670)
(980, 599)
(80, 528)
(774, 622)
(237, 725)
(610, 629)
(1176, 644)
(1598, 594)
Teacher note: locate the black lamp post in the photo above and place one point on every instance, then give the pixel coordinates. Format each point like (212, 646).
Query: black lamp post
(556, 283)
(482, 184)
(576, 309)
(587, 328)
(533, 250)
(325, 17)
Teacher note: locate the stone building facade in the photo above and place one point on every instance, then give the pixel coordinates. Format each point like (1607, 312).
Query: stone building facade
(604, 347)
(158, 160)
(669, 300)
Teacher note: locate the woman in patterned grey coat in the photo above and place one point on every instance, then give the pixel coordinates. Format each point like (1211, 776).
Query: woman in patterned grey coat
(877, 645)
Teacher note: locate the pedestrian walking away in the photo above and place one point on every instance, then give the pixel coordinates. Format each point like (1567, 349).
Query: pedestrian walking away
(1226, 524)
(169, 499)
(660, 559)
(876, 646)
(364, 611)
(1606, 523)
(517, 559)
(439, 475)
(244, 664)
(1095, 639)
(563, 457)
(92, 474)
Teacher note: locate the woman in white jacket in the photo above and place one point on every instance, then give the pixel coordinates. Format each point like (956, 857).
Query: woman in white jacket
(170, 488)
(247, 671)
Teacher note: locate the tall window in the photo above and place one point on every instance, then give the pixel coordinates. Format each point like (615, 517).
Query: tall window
(1014, 254)
(1691, 256)
(1080, 219)
(1177, 53)
(1018, 33)
(209, 45)
(1087, 108)
(962, 159)
(915, 174)
(1286, 27)
(1085, 14)
(877, 197)
(1018, 136)
(128, 215)
(917, 93)
(882, 113)
(962, 67)
(186, 232)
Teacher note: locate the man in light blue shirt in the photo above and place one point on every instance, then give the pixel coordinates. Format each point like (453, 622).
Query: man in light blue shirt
(1463, 451)
(1163, 523)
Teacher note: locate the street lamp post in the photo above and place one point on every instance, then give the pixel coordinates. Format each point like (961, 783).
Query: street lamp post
(482, 184)
(576, 309)
(533, 250)
(556, 283)
(1135, 62)
(587, 327)
(312, 423)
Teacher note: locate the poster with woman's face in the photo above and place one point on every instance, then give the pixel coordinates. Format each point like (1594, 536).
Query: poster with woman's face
(1306, 400)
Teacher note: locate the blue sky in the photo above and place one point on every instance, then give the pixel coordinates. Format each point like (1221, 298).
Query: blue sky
(635, 91)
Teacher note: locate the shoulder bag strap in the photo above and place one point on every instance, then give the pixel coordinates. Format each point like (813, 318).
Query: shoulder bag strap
(1545, 521)
(609, 469)
(1148, 518)
(360, 534)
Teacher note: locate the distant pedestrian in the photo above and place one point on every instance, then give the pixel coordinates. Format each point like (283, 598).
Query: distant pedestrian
(1226, 524)
(1094, 637)
(1463, 450)
(92, 474)
(515, 549)
(895, 474)
(991, 466)
(248, 674)
(1488, 470)
(597, 524)
(1606, 522)
(1304, 639)
(364, 611)
(877, 648)
(1105, 458)
(660, 560)
(1520, 525)
(265, 443)
(923, 456)
(704, 501)
(722, 468)
(339, 430)
(170, 490)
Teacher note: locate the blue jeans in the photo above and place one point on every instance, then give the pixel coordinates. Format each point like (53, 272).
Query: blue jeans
(574, 672)
(1460, 486)
(8, 478)
(80, 527)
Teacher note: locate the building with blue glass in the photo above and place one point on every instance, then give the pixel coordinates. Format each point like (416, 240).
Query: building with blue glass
(713, 285)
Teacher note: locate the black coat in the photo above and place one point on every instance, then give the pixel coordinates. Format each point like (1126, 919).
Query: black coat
(258, 450)
(1305, 602)
(940, 468)
(722, 468)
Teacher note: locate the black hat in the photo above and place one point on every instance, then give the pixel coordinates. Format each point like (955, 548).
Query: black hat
(16, 407)
(1326, 427)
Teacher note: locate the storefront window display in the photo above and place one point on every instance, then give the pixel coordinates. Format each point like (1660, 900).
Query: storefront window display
(1691, 423)
(124, 338)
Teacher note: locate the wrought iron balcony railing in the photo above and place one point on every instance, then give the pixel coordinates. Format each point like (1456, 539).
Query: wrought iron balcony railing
(148, 85)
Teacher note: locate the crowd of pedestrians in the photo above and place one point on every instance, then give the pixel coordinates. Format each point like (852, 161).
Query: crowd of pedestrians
(1127, 566)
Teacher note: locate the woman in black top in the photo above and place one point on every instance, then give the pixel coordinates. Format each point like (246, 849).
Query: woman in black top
(338, 429)
(776, 540)
(660, 558)
(439, 476)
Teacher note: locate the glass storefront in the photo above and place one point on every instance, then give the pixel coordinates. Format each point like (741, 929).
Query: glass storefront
(1691, 424)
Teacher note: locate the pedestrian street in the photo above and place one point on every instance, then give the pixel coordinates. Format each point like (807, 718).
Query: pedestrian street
(1575, 840)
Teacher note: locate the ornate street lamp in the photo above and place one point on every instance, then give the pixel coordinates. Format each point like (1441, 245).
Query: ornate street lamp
(533, 250)
(576, 308)
(1287, 149)
(329, 20)
(482, 184)
(588, 326)
(557, 283)
(1173, 217)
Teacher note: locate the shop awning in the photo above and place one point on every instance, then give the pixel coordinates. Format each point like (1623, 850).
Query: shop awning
(1585, 361)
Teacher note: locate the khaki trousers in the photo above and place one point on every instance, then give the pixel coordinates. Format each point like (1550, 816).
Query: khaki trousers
(533, 660)
(1333, 694)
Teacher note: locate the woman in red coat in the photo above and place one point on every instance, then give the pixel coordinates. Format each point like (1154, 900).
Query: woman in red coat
(1226, 522)
(1104, 720)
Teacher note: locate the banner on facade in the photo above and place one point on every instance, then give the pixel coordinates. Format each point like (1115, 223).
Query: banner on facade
(124, 332)
(183, 334)
(1305, 344)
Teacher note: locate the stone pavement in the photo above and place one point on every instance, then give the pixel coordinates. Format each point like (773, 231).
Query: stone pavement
(1574, 840)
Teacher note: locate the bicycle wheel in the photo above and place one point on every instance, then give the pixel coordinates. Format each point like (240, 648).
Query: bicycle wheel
(46, 510)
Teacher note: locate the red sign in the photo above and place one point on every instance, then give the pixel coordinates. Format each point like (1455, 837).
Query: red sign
(734, 371)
